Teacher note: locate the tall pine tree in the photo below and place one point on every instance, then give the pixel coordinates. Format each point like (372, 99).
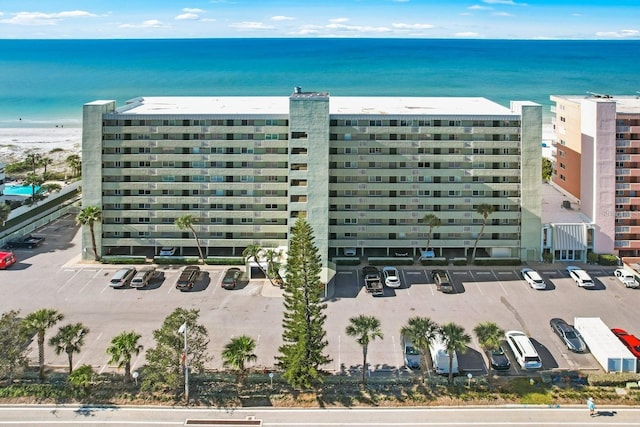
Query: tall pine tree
(301, 355)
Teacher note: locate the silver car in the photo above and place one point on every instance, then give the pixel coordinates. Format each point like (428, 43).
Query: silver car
(569, 336)
(411, 354)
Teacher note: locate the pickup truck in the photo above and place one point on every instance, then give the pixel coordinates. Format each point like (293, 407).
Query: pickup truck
(29, 241)
(372, 281)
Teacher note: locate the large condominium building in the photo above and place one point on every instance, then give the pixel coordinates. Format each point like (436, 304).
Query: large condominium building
(598, 162)
(364, 171)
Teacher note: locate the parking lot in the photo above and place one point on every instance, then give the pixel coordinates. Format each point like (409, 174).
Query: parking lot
(52, 276)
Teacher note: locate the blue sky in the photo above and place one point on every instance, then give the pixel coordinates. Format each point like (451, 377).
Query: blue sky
(510, 19)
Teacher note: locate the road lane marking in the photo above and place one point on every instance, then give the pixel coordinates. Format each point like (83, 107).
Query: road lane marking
(68, 282)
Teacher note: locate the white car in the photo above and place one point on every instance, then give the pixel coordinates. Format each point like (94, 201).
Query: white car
(391, 277)
(580, 276)
(626, 278)
(533, 278)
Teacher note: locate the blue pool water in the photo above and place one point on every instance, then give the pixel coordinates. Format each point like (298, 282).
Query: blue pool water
(19, 190)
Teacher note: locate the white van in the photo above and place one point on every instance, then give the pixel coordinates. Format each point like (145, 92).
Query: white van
(580, 276)
(440, 357)
(523, 350)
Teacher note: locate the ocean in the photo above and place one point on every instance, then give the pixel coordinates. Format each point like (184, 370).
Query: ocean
(45, 82)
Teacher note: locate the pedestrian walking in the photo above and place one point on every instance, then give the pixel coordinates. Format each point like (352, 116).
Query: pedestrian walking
(592, 406)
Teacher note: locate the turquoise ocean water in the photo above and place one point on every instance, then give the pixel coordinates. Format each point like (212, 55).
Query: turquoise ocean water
(45, 82)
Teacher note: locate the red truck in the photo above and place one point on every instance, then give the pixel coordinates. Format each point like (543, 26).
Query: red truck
(6, 259)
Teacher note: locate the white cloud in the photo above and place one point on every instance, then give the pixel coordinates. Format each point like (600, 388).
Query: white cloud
(282, 18)
(338, 20)
(192, 10)
(39, 18)
(478, 7)
(150, 23)
(619, 34)
(501, 14)
(412, 26)
(186, 16)
(249, 25)
(466, 34)
(507, 2)
(402, 1)
(358, 28)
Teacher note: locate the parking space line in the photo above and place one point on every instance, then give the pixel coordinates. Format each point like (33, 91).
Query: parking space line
(395, 351)
(79, 361)
(68, 282)
(500, 283)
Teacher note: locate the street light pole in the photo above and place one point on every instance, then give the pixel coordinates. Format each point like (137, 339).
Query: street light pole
(183, 330)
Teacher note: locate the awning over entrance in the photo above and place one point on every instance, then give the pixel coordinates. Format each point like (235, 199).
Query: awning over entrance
(569, 237)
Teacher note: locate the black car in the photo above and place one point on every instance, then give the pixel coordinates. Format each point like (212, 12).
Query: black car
(499, 360)
(231, 278)
(569, 336)
(188, 277)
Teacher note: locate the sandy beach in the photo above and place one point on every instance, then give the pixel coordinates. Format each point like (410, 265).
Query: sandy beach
(17, 143)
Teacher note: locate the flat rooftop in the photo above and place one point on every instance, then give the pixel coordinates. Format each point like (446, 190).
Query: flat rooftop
(629, 104)
(554, 210)
(279, 105)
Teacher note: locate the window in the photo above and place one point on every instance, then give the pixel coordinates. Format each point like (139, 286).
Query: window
(169, 178)
(375, 150)
(271, 206)
(375, 179)
(246, 220)
(168, 164)
(351, 221)
(274, 136)
(350, 165)
(144, 220)
(144, 192)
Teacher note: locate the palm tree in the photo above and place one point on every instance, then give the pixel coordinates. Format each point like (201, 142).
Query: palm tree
(5, 210)
(421, 331)
(121, 350)
(455, 340)
(44, 162)
(185, 222)
(51, 187)
(74, 162)
(432, 221)
(238, 352)
(33, 160)
(365, 329)
(485, 210)
(252, 252)
(69, 339)
(38, 322)
(34, 181)
(89, 216)
(489, 335)
(273, 266)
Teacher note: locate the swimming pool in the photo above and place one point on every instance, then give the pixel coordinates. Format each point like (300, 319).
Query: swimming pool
(19, 190)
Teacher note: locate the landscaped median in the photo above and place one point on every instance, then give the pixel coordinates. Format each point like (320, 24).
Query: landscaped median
(171, 260)
(221, 389)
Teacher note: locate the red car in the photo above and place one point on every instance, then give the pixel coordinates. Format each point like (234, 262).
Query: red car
(6, 259)
(630, 341)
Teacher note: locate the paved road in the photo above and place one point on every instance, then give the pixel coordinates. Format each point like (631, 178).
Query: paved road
(378, 417)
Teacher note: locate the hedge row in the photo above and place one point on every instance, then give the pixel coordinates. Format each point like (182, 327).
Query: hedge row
(224, 261)
(176, 260)
(613, 379)
(346, 261)
(434, 261)
(124, 260)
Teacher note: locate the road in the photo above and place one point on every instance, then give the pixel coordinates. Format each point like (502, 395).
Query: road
(527, 416)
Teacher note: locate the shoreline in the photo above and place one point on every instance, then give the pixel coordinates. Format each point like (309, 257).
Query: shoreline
(54, 142)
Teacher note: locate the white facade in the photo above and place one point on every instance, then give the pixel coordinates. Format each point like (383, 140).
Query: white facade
(364, 171)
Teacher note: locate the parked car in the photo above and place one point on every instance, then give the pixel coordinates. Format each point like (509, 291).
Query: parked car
(626, 278)
(533, 278)
(427, 254)
(122, 277)
(410, 353)
(442, 280)
(580, 276)
(568, 334)
(523, 350)
(372, 281)
(6, 259)
(29, 242)
(167, 251)
(499, 359)
(349, 251)
(631, 341)
(231, 278)
(188, 277)
(143, 277)
(391, 277)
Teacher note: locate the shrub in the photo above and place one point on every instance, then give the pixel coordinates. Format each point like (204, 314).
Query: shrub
(614, 379)
(547, 257)
(176, 260)
(459, 261)
(119, 259)
(212, 260)
(346, 261)
(606, 259)
(592, 258)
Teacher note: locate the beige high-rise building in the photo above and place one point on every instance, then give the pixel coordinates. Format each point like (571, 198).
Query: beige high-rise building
(364, 171)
